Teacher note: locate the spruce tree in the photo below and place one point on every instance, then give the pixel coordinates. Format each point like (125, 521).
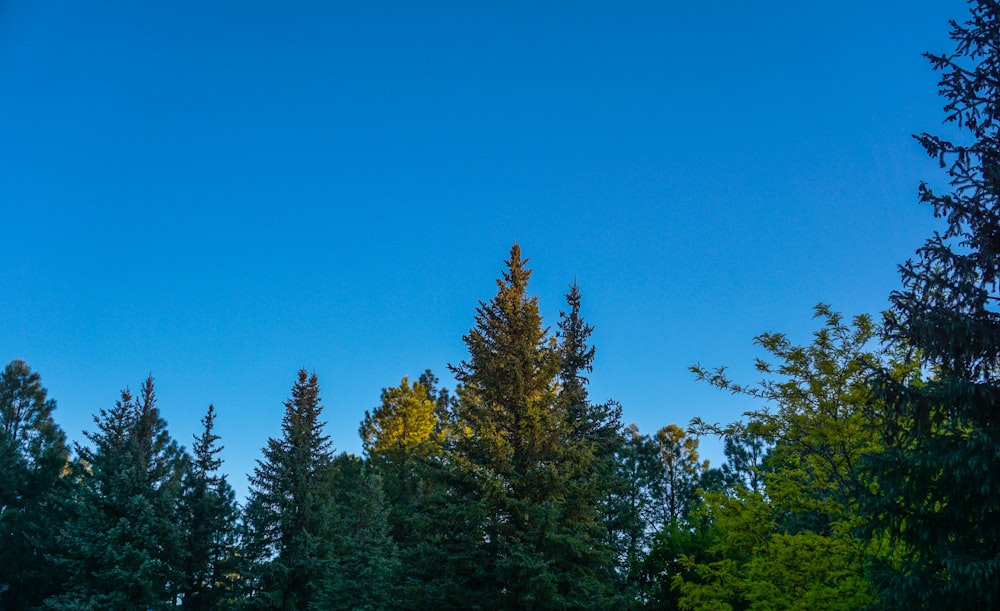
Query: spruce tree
(124, 544)
(512, 461)
(208, 517)
(403, 427)
(593, 433)
(939, 484)
(367, 569)
(290, 517)
(404, 440)
(33, 491)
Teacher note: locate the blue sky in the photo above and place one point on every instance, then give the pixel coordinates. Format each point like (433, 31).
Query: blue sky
(222, 193)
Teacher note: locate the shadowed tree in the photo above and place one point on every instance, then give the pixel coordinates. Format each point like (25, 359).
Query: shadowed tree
(939, 484)
(513, 460)
(33, 491)
(290, 515)
(124, 545)
(208, 519)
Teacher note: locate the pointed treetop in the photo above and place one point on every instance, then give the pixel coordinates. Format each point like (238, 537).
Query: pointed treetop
(517, 274)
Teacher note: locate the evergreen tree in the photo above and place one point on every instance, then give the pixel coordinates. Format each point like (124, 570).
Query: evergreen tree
(744, 451)
(33, 491)
(633, 510)
(404, 441)
(124, 544)
(680, 476)
(939, 485)
(403, 427)
(444, 401)
(208, 521)
(511, 457)
(290, 515)
(367, 570)
(594, 433)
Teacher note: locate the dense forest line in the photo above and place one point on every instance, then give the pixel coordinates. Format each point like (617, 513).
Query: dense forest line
(869, 477)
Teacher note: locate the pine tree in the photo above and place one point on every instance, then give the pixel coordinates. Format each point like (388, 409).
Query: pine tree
(403, 427)
(368, 569)
(512, 458)
(208, 522)
(939, 485)
(290, 515)
(593, 434)
(124, 544)
(681, 473)
(33, 491)
(633, 511)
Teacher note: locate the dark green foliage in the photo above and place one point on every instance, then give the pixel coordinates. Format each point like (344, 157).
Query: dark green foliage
(633, 507)
(520, 464)
(938, 487)
(593, 434)
(509, 452)
(367, 571)
(290, 517)
(33, 491)
(208, 516)
(124, 547)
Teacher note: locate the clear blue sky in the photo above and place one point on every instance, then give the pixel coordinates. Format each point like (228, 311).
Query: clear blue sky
(220, 193)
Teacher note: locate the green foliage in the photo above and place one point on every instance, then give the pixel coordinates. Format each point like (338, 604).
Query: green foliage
(795, 543)
(33, 491)
(290, 516)
(745, 561)
(403, 426)
(938, 487)
(518, 460)
(593, 434)
(680, 475)
(667, 476)
(367, 570)
(208, 515)
(124, 546)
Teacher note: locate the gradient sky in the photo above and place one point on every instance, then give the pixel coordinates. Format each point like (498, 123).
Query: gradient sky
(221, 193)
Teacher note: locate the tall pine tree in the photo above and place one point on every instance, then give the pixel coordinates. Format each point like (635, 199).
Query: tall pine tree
(124, 544)
(939, 483)
(593, 434)
(513, 459)
(290, 516)
(33, 491)
(208, 516)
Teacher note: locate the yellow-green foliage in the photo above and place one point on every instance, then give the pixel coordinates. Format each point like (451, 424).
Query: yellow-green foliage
(404, 425)
(796, 544)
(751, 564)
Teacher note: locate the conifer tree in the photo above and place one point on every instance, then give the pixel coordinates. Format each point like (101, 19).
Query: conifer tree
(33, 491)
(403, 440)
(367, 569)
(594, 433)
(404, 426)
(290, 515)
(208, 519)
(124, 544)
(634, 508)
(681, 473)
(511, 457)
(939, 485)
